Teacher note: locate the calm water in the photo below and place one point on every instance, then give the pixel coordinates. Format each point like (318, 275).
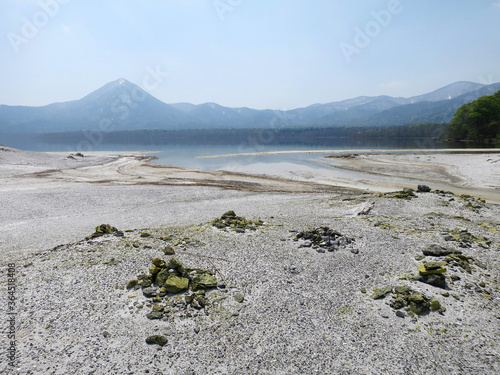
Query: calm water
(289, 165)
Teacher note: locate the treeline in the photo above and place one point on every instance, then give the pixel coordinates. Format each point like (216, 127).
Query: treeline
(477, 121)
(428, 130)
(304, 136)
(316, 136)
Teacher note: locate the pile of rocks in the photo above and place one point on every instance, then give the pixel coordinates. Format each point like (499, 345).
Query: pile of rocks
(239, 224)
(323, 239)
(464, 238)
(171, 279)
(103, 229)
(404, 297)
(403, 194)
(432, 273)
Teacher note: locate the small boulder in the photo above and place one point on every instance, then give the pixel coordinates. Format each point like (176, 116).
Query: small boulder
(175, 284)
(423, 188)
(239, 297)
(438, 251)
(381, 292)
(169, 251)
(162, 276)
(437, 280)
(149, 292)
(154, 315)
(204, 281)
(174, 263)
(157, 339)
(431, 268)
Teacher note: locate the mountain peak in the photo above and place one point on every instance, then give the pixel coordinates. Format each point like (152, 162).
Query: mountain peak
(114, 89)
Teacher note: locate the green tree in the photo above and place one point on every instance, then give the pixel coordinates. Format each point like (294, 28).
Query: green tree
(478, 120)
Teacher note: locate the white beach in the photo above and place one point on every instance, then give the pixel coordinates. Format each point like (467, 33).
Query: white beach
(303, 311)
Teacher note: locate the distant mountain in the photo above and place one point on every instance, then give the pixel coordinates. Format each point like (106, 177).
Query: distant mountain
(121, 105)
(118, 105)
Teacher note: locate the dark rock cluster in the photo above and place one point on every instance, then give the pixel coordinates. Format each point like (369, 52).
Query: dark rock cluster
(239, 224)
(103, 229)
(323, 239)
(404, 297)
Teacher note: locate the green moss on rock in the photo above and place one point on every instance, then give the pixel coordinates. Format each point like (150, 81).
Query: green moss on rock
(381, 292)
(175, 284)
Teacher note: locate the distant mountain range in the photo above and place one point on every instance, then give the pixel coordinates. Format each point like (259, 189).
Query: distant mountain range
(121, 105)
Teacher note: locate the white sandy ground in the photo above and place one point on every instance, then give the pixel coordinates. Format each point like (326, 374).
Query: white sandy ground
(304, 312)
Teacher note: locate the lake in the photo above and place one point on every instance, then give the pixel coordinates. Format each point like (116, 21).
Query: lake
(302, 166)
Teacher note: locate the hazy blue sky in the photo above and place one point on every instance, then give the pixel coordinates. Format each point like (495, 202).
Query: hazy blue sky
(279, 54)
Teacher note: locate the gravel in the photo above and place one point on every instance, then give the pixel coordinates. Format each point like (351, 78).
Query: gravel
(279, 308)
(285, 309)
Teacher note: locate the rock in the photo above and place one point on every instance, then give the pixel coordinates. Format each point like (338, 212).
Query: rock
(149, 292)
(154, 315)
(162, 276)
(381, 292)
(460, 260)
(438, 251)
(437, 280)
(236, 223)
(398, 303)
(154, 270)
(431, 268)
(400, 314)
(423, 188)
(174, 263)
(132, 283)
(417, 304)
(355, 251)
(169, 250)
(103, 229)
(239, 297)
(203, 280)
(434, 305)
(159, 263)
(305, 244)
(404, 194)
(403, 290)
(175, 284)
(157, 339)
(228, 215)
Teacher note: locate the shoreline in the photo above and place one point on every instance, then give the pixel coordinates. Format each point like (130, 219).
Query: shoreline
(358, 151)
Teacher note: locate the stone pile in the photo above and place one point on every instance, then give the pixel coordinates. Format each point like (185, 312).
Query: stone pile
(404, 297)
(104, 229)
(168, 279)
(323, 239)
(239, 224)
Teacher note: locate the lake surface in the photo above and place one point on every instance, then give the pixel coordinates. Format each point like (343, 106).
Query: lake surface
(301, 166)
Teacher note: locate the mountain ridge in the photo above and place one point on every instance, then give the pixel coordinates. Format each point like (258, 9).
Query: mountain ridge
(122, 105)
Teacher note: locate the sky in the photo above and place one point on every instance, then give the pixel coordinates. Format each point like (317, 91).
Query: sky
(276, 54)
